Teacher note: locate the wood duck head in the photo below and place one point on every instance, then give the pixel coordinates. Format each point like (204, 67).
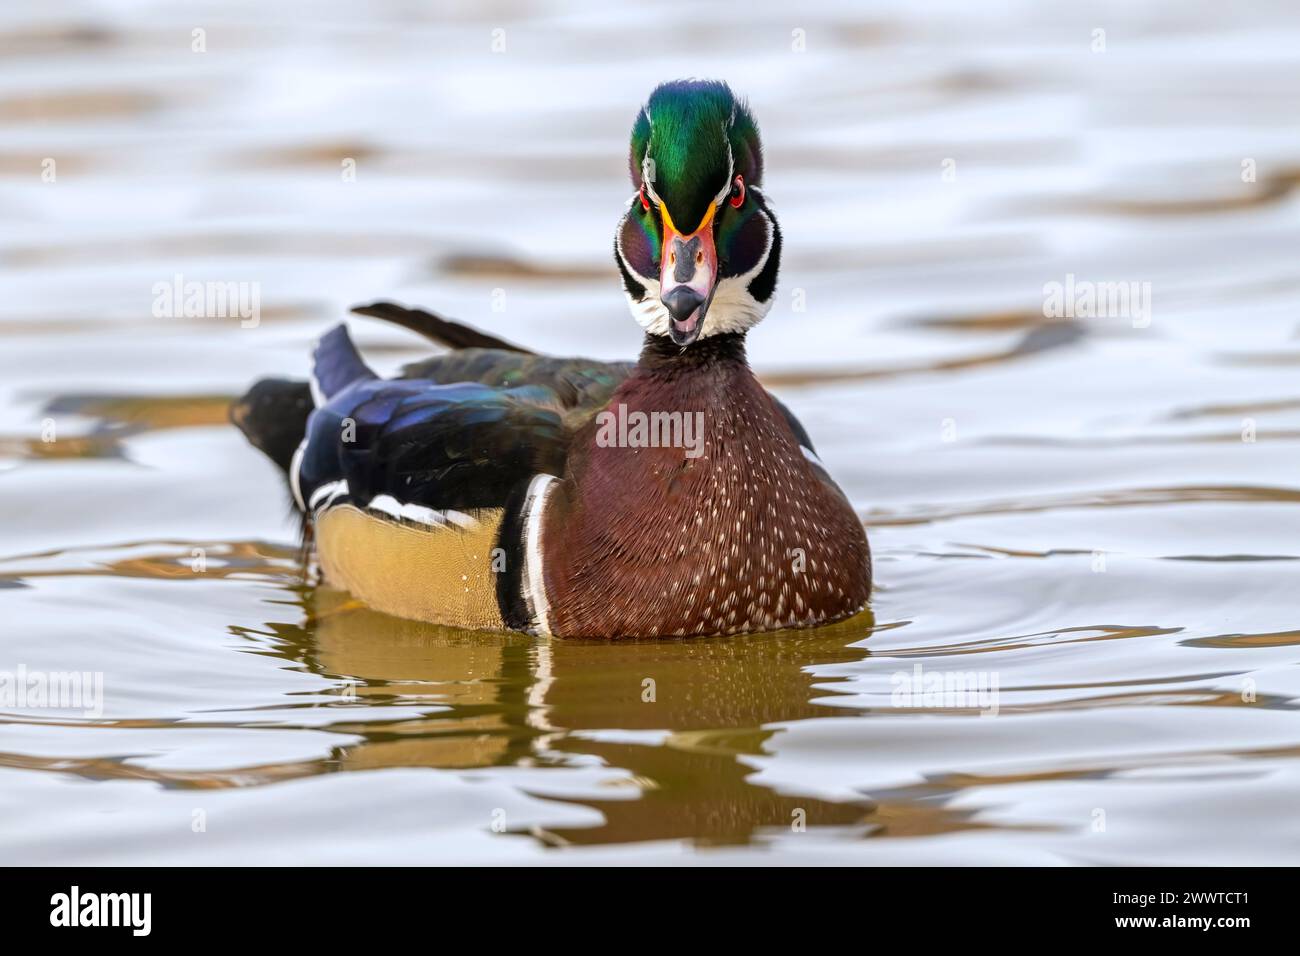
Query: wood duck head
(698, 247)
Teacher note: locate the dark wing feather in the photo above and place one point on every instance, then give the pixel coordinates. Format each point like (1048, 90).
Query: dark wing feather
(805, 442)
(336, 364)
(273, 414)
(461, 446)
(460, 432)
(796, 426)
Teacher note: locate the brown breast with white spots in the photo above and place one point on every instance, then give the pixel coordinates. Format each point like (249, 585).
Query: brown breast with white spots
(732, 529)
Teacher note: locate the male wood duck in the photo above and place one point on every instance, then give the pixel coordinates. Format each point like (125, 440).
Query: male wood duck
(493, 488)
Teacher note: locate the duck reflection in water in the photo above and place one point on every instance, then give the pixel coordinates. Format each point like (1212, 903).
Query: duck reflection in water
(511, 700)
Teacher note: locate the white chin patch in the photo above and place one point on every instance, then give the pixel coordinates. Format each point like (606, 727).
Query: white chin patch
(650, 314)
(733, 309)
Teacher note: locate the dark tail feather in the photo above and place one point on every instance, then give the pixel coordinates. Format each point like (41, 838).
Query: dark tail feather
(273, 417)
(337, 364)
(454, 335)
(273, 413)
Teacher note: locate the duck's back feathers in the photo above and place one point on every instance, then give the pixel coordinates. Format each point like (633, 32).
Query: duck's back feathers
(579, 387)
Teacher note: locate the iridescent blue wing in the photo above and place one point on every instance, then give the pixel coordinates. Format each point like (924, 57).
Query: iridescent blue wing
(457, 445)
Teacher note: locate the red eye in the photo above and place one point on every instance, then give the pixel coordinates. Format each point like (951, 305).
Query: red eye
(645, 203)
(737, 197)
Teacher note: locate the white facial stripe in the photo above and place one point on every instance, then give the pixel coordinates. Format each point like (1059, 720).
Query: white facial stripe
(648, 180)
(731, 165)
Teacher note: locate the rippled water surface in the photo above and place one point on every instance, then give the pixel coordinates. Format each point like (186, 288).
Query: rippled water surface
(1101, 515)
